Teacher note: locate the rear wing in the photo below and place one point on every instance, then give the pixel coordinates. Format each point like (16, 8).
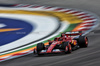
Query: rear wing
(73, 33)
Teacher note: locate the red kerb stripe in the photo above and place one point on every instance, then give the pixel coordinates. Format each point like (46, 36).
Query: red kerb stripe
(25, 5)
(85, 17)
(89, 19)
(67, 10)
(81, 14)
(19, 54)
(58, 9)
(36, 6)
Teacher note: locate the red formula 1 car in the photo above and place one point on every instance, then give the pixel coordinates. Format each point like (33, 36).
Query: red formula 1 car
(66, 43)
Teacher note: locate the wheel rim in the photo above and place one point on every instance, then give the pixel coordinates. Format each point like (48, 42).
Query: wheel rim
(66, 49)
(86, 41)
(70, 48)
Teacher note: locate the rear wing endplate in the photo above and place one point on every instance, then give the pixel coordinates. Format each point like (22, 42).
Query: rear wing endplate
(74, 33)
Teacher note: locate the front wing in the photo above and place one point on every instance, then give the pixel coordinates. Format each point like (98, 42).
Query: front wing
(53, 51)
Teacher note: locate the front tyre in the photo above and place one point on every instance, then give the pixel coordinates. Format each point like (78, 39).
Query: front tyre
(40, 46)
(67, 47)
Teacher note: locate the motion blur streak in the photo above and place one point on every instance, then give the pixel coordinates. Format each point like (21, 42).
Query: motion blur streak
(80, 57)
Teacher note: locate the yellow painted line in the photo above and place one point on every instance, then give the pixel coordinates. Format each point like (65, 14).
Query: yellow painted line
(60, 15)
(9, 29)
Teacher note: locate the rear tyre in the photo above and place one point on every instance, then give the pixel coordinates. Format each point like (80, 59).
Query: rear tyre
(40, 46)
(83, 41)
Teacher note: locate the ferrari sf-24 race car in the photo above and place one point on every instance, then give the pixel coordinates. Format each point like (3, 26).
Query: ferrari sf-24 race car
(66, 43)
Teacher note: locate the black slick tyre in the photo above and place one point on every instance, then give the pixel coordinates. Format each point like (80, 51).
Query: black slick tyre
(67, 47)
(83, 41)
(40, 46)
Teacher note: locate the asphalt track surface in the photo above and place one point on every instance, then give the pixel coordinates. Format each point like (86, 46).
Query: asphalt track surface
(82, 57)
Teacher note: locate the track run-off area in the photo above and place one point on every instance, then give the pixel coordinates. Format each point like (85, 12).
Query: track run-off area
(63, 19)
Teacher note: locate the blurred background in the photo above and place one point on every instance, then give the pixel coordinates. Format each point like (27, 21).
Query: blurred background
(83, 57)
(90, 5)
